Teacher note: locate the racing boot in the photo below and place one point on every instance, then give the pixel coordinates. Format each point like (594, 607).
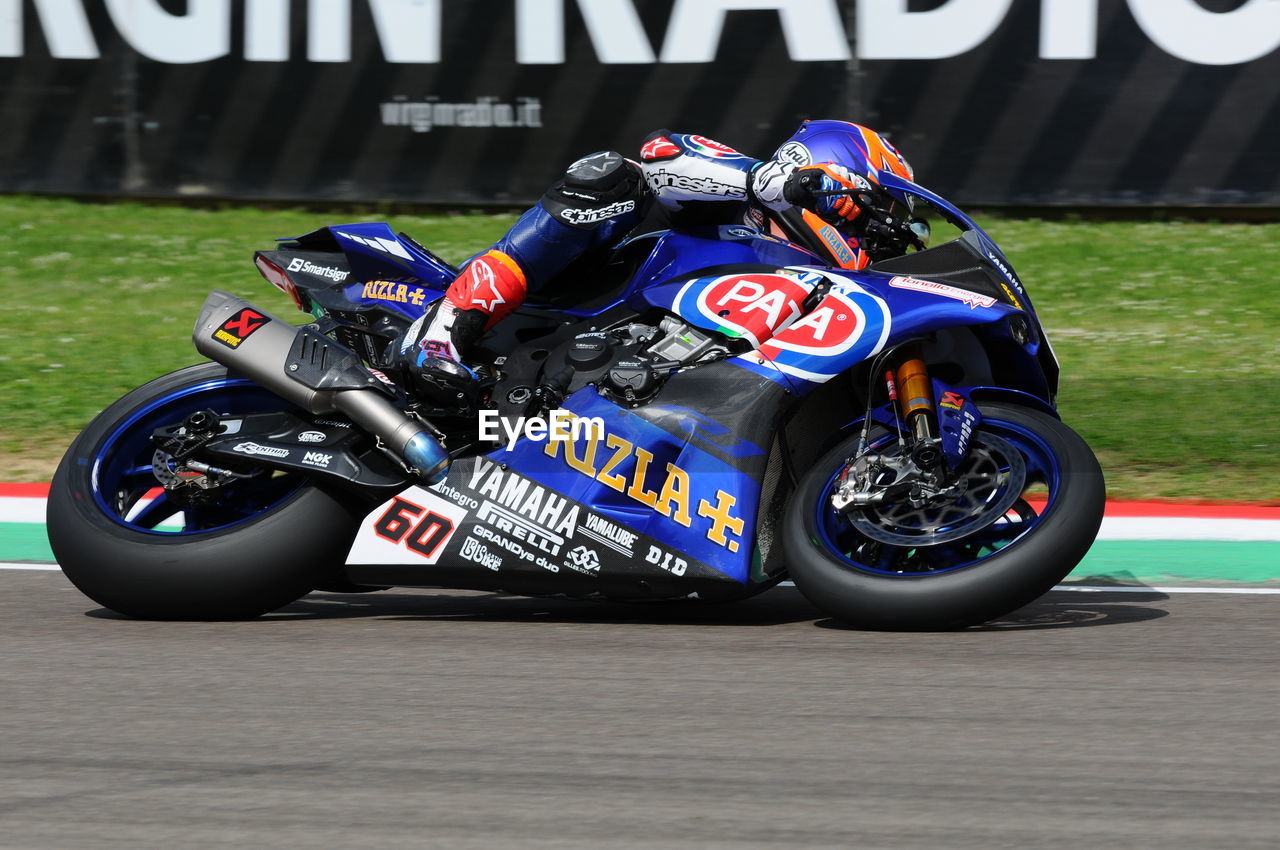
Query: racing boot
(489, 288)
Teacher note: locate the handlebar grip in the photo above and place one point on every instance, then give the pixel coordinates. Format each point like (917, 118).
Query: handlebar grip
(802, 189)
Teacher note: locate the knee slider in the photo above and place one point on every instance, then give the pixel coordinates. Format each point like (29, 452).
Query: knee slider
(599, 172)
(596, 188)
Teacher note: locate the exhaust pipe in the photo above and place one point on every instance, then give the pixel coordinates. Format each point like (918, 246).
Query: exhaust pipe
(315, 373)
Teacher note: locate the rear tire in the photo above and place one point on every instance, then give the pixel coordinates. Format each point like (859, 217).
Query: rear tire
(244, 569)
(968, 594)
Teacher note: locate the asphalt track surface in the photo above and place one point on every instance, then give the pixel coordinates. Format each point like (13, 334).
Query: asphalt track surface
(425, 719)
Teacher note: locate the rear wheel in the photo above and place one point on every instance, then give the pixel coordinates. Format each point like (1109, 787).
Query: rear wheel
(1028, 509)
(238, 549)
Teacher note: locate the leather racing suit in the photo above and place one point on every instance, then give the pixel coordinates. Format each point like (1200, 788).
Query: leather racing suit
(598, 201)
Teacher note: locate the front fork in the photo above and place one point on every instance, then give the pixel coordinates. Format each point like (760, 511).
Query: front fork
(932, 437)
(910, 388)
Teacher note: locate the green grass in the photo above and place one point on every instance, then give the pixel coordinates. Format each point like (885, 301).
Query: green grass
(1168, 337)
(1167, 331)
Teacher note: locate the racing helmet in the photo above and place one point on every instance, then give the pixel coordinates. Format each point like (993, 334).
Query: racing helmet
(851, 145)
(859, 149)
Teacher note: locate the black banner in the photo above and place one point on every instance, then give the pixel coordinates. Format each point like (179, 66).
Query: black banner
(471, 101)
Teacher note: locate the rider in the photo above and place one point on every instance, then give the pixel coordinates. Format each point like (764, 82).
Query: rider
(604, 196)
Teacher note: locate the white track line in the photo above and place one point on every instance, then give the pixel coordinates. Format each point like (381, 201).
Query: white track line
(1189, 528)
(1248, 591)
(22, 509)
(1088, 588)
(32, 510)
(1238, 591)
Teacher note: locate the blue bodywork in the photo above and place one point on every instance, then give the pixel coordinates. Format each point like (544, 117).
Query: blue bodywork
(686, 483)
(668, 471)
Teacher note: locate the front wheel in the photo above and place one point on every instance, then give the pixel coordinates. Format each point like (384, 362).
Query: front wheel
(241, 549)
(1028, 515)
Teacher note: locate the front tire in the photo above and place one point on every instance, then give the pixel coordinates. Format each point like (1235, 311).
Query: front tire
(266, 545)
(962, 582)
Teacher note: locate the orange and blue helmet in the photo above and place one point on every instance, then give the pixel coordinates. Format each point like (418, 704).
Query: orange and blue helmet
(857, 148)
(861, 150)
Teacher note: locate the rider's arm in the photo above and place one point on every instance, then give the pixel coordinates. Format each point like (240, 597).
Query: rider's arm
(681, 169)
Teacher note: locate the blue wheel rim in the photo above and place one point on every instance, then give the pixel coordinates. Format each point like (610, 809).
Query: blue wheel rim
(125, 488)
(838, 536)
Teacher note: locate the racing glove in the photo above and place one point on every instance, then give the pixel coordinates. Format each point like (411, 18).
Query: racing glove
(807, 185)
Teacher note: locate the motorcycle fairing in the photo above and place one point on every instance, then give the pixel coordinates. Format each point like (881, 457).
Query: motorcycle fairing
(984, 248)
(375, 252)
(751, 303)
(849, 325)
(702, 277)
(637, 474)
(490, 527)
(861, 314)
(678, 255)
(666, 500)
(666, 495)
(348, 268)
(378, 253)
(336, 288)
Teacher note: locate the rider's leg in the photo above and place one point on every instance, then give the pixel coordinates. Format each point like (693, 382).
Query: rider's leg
(600, 198)
(490, 286)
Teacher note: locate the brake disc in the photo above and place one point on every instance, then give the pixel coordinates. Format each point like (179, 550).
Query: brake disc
(993, 476)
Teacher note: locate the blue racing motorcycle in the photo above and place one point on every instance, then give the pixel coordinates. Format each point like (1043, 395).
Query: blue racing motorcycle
(734, 407)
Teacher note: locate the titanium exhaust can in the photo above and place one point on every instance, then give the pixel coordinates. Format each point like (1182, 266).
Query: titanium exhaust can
(315, 373)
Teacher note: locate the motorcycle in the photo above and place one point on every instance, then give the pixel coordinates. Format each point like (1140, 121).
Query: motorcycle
(733, 407)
